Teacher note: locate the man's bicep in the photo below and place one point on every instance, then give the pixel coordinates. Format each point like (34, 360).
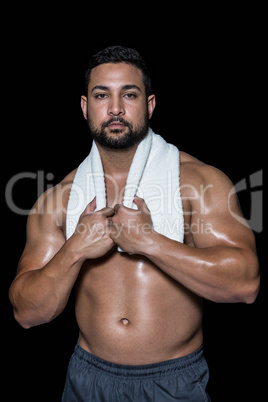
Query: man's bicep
(215, 222)
(44, 240)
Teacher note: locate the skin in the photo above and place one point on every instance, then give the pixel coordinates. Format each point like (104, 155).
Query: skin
(146, 306)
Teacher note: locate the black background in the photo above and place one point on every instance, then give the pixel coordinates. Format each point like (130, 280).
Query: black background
(207, 76)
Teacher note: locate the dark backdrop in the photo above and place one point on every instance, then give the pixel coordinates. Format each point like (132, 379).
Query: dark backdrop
(207, 80)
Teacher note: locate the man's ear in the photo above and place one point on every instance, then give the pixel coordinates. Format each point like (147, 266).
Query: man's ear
(84, 106)
(151, 105)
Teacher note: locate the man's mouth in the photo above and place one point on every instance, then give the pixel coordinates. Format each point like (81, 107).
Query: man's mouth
(116, 123)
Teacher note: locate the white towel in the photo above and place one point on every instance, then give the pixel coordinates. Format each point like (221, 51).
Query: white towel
(154, 175)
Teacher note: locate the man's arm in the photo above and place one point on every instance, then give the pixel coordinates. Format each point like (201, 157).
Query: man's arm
(49, 265)
(221, 264)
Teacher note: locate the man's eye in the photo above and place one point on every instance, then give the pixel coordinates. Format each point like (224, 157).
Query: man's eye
(130, 95)
(100, 96)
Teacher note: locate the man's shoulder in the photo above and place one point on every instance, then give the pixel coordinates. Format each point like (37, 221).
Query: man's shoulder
(196, 173)
(69, 178)
(54, 201)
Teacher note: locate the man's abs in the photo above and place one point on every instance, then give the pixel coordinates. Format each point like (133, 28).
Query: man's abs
(130, 312)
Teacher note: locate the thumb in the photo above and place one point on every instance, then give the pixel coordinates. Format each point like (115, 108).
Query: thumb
(90, 208)
(141, 204)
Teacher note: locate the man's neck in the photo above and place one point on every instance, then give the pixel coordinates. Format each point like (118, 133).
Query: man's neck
(116, 162)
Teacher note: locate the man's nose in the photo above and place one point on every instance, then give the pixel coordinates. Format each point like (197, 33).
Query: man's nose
(116, 107)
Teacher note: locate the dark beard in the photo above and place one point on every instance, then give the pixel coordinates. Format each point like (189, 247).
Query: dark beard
(129, 139)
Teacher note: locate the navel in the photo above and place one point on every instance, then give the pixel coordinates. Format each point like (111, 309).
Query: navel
(124, 321)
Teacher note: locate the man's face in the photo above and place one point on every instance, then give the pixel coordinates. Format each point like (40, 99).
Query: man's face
(116, 108)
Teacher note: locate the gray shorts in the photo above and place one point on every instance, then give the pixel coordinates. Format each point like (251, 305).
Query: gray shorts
(91, 379)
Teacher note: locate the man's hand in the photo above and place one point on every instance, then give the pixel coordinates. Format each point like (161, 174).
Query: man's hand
(131, 227)
(91, 238)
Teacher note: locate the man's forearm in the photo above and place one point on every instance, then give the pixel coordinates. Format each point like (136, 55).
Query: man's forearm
(220, 273)
(40, 295)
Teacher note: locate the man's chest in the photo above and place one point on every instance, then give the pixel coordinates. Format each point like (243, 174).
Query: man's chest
(115, 189)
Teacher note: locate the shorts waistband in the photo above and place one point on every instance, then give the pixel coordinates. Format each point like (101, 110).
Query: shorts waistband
(155, 369)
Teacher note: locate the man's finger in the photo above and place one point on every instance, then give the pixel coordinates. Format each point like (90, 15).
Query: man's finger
(116, 208)
(141, 204)
(90, 208)
(107, 211)
(126, 210)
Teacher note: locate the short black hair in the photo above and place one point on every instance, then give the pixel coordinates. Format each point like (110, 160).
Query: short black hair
(119, 54)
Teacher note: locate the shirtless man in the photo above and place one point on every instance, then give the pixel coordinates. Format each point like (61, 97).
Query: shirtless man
(140, 310)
